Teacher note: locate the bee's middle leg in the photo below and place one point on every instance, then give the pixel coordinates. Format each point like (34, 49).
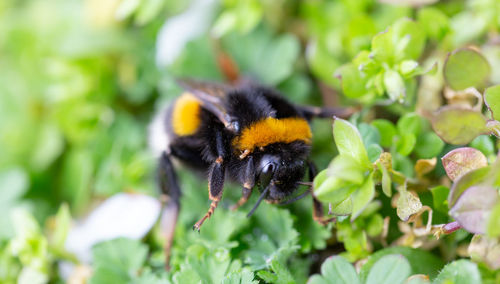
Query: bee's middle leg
(318, 212)
(215, 180)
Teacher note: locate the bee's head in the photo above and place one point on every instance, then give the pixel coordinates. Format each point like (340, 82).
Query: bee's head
(280, 169)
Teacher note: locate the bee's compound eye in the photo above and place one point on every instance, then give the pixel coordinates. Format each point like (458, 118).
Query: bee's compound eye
(266, 175)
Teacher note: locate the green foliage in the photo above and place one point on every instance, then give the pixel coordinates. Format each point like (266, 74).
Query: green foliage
(466, 68)
(81, 80)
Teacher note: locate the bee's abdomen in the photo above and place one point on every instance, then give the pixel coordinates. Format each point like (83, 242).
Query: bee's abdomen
(185, 118)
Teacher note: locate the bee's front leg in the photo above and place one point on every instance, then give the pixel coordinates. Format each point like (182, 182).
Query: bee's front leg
(215, 180)
(248, 183)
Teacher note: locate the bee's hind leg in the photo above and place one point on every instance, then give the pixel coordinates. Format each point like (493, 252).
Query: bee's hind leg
(167, 180)
(318, 212)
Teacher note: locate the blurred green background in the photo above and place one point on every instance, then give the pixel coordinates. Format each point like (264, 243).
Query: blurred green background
(81, 80)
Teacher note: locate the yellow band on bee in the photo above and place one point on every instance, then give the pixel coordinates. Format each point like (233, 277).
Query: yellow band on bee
(186, 115)
(272, 130)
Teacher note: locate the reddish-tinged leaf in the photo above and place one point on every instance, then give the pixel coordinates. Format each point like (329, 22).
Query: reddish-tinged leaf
(464, 182)
(473, 208)
(462, 160)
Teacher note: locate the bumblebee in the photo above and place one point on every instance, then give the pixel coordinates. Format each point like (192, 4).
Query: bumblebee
(248, 133)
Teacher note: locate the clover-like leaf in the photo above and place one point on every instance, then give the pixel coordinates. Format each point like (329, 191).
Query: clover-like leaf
(117, 260)
(462, 160)
(336, 270)
(389, 269)
(421, 261)
(458, 126)
(473, 208)
(466, 67)
(492, 100)
(459, 272)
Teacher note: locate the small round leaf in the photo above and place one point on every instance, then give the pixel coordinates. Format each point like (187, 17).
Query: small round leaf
(464, 68)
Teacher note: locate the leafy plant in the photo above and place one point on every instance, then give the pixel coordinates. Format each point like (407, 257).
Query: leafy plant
(412, 178)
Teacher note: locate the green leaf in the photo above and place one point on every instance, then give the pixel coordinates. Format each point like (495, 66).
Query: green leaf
(406, 143)
(353, 83)
(389, 269)
(418, 279)
(61, 227)
(276, 226)
(374, 151)
(13, 184)
(463, 160)
(386, 180)
(202, 264)
(410, 39)
(394, 85)
(334, 190)
(484, 144)
(369, 134)
(117, 260)
(466, 67)
(349, 142)
(493, 229)
(245, 276)
(336, 270)
(459, 272)
(375, 225)
(408, 67)
(346, 168)
(343, 208)
(429, 145)
(410, 123)
(383, 46)
(439, 198)
(473, 207)
(492, 100)
(421, 261)
(458, 126)
(270, 59)
(387, 131)
(434, 22)
(362, 196)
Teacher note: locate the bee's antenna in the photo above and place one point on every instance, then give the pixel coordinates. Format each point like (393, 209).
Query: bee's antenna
(264, 193)
(304, 194)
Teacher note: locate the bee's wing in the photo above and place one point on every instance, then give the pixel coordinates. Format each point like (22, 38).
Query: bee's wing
(212, 97)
